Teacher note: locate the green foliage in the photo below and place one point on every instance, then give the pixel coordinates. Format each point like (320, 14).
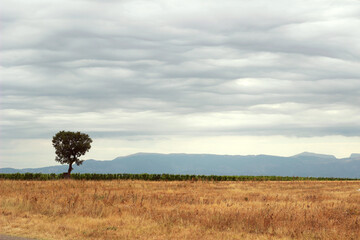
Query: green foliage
(160, 177)
(69, 146)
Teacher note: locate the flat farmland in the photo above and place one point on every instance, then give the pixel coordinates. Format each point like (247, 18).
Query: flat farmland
(125, 209)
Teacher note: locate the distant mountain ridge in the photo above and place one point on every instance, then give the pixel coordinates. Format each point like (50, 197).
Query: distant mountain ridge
(309, 154)
(303, 165)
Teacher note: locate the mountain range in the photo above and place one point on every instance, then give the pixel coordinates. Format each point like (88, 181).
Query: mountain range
(303, 165)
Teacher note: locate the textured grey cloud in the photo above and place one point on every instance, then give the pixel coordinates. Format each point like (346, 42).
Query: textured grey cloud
(125, 68)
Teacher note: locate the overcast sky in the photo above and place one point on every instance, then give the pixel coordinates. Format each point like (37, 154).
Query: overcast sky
(228, 77)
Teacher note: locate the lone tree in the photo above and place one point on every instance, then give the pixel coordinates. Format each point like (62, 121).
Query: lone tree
(69, 146)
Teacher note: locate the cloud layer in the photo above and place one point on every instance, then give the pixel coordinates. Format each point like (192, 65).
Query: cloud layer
(165, 68)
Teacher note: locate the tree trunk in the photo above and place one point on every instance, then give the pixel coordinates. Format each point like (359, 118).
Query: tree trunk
(70, 169)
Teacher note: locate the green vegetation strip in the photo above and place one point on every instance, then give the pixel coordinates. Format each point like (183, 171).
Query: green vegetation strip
(160, 177)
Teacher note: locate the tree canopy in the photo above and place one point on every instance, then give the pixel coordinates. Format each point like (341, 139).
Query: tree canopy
(69, 146)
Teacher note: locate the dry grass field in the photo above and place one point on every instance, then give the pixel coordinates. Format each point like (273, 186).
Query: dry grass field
(69, 209)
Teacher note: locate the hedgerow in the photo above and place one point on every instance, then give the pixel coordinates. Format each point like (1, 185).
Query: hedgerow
(159, 177)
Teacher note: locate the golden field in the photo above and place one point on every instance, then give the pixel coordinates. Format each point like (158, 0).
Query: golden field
(119, 209)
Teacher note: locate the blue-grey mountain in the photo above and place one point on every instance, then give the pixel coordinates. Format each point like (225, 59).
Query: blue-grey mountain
(304, 165)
